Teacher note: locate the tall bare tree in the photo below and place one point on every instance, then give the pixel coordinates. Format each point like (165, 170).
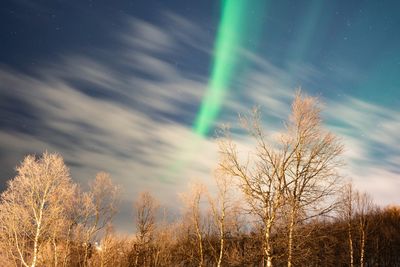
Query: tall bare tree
(97, 210)
(356, 209)
(32, 206)
(146, 207)
(347, 213)
(364, 208)
(165, 238)
(221, 206)
(261, 176)
(311, 173)
(191, 201)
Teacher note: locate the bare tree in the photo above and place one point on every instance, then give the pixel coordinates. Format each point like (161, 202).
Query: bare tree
(347, 210)
(73, 218)
(97, 209)
(261, 177)
(146, 207)
(165, 238)
(32, 207)
(191, 200)
(220, 207)
(111, 250)
(311, 169)
(364, 207)
(356, 208)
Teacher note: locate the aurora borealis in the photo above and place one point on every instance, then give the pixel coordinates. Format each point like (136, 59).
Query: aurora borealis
(238, 23)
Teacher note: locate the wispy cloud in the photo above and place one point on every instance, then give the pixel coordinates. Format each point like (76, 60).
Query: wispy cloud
(372, 145)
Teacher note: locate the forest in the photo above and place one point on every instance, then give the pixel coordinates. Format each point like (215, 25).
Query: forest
(286, 203)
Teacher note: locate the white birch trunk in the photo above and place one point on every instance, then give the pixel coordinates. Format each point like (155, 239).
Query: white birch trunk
(290, 237)
(362, 252)
(268, 248)
(37, 235)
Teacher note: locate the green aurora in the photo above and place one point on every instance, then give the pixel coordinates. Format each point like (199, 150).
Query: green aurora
(237, 26)
(239, 29)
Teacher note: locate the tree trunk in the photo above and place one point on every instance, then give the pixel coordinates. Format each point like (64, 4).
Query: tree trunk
(221, 246)
(222, 237)
(290, 237)
(200, 240)
(35, 245)
(268, 247)
(66, 255)
(221, 252)
(87, 243)
(37, 235)
(350, 245)
(55, 251)
(362, 251)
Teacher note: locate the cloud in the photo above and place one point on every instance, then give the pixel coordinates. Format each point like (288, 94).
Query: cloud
(372, 145)
(147, 37)
(371, 126)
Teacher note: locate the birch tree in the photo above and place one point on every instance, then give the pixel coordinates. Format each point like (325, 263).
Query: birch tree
(97, 210)
(221, 206)
(146, 208)
(364, 207)
(356, 208)
(32, 206)
(347, 210)
(191, 200)
(311, 174)
(261, 176)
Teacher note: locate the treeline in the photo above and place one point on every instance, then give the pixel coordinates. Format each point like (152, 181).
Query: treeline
(281, 204)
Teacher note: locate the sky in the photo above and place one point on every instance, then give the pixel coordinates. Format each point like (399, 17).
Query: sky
(118, 86)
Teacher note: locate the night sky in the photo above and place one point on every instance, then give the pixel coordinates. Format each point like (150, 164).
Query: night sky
(116, 86)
